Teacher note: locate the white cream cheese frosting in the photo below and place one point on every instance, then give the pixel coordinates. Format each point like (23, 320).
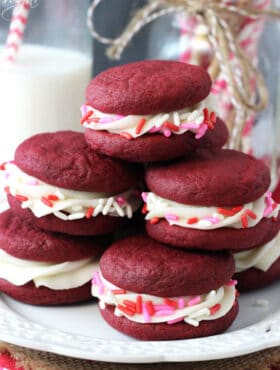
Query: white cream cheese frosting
(44, 199)
(261, 258)
(144, 308)
(209, 218)
(56, 276)
(196, 120)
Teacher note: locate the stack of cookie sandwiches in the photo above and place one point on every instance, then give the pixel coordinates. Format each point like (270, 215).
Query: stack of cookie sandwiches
(65, 202)
(150, 287)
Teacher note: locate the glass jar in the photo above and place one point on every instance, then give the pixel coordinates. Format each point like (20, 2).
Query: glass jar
(43, 89)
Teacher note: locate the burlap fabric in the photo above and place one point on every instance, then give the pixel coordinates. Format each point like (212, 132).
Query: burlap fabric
(36, 360)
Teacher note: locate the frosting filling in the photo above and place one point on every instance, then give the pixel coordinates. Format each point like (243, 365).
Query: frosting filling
(196, 120)
(209, 218)
(56, 276)
(261, 258)
(145, 308)
(44, 199)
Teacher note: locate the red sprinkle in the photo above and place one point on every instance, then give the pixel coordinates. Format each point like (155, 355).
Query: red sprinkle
(47, 202)
(244, 220)
(126, 310)
(7, 189)
(130, 304)
(154, 220)
(150, 308)
(213, 117)
(140, 126)
(144, 209)
(215, 308)
(119, 291)
(3, 166)
(229, 212)
(139, 304)
(52, 197)
(86, 117)
(192, 220)
(89, 212)
(21, 198)
(251, 214)
(171, 126)
(209, 119)
(126, 135)
(170, 302)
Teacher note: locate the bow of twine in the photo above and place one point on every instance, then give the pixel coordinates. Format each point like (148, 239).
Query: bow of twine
(236, 68)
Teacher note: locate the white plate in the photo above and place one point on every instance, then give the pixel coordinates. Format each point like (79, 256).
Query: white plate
(79, 331)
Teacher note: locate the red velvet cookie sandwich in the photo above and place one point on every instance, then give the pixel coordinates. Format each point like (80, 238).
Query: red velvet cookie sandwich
(40, 267)
(212, 200)
(151, 111)
(60, 184)
(152, 292)
(258, 267)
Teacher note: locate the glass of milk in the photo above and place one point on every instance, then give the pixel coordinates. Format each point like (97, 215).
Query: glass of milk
(44, 89)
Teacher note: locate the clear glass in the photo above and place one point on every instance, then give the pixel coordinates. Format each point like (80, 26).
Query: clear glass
(44, 89)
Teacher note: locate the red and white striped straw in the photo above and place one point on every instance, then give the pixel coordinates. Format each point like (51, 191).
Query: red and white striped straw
(16, 31)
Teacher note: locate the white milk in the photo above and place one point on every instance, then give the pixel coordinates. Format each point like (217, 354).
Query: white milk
(43, 91)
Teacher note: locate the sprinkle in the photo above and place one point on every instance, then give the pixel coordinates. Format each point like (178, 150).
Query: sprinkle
(3, 166)
(209, 119)
(46, 201)
(201, 131)
(100, 289)
(231, 283)
(251, 214)
(126, 135)
(21, 198)
(118, 209)
(154, 220)
(140, 126)
(164, 307)
(121, 200)
(154, 129)
(189, 125)
(170, 302)
(194, 301)
(119, 291)
(60, 194)
(89, 212)
(171, 126)
(212, 220)
(150, 308)
(139, 304)
(7, 189)
(171, 217)
(192, 220)
(86, 117)
(213, 117)
(125, 309)
(214, 308)
(167, 133)
(229, 212)
(61, 215)
(144, 196)
(174, 321)
(176, 118)
(106, 120)
(53, 197)
(244, 220)
(97, 278)
(107, 206)
(146, 315)
(144, 209)
(164, 312)
(130, 304)
(192, 322)
(129, 212)
(76, 216)
(181, 303)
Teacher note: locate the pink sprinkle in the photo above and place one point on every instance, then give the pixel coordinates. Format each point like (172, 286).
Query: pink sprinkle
(167, 133)
(93, 281)
(154, 129)
(119, 116)
(179, 319)
(231, 283)
(121, 201)
(146, 315)
(201, 131)
(84, 109)
(188, 125)
(96, 276)
(144, 197)
(213, 220)
(100, 289)
(194, 301)
(32, 182)
(163, 307)
(106, 120)
(164, 313)
(268, 202)
(171, 217)
(181, 303)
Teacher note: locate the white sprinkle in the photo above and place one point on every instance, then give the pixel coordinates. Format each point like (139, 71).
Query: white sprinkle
(199, 120)
(191, 321)
(26, 204)
(161, 120)
(61, 215)
(107, 206)
(176, 119)
(77, 208)
(118, 209)
(202, 312)
(76, 216)
(97, 209)
(204, 223)
(193, 116)
(59, 194)
(102, 305)
(128, 209)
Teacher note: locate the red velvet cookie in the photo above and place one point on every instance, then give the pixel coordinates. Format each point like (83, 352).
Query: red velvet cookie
(58, 182)
(255, 279)
(155, 287)
(151, 111)
(214, 200)
(45, 268)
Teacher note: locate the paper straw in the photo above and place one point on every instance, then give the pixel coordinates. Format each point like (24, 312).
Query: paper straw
(16, 31)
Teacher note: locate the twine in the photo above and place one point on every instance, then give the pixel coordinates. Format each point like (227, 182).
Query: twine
(235, 66)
